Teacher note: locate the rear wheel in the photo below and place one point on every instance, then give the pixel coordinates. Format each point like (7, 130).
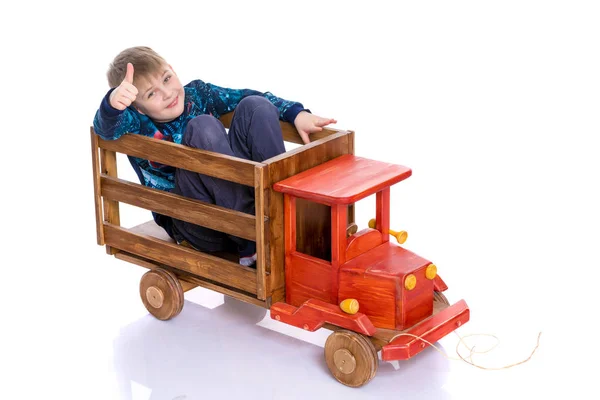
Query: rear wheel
(161, 293)
(351, 358)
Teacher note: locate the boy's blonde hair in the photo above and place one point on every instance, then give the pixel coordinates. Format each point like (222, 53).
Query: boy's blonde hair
(145, 62)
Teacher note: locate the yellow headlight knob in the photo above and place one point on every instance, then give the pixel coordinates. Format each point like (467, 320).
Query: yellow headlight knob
(349, 306)
(410, 282)
(431, 271)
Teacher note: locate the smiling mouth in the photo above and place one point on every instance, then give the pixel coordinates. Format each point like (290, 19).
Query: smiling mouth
(174, 103)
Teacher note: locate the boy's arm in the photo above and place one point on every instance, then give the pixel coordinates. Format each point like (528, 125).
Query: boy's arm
(111, 123)
(226, 100)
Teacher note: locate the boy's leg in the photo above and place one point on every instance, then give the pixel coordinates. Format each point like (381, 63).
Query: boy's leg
(207, 133)
(255, 133)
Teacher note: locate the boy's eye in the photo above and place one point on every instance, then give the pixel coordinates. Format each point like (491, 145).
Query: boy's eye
(150, 94)
(167, 78)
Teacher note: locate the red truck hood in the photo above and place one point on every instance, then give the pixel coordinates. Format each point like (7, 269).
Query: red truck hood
(386, 259)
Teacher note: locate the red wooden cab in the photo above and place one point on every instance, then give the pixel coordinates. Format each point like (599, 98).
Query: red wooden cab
(394, 287)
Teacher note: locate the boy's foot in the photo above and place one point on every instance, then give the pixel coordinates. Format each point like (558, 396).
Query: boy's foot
(249, 261)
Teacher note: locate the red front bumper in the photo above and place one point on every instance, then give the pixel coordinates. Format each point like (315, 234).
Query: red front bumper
(431, 329)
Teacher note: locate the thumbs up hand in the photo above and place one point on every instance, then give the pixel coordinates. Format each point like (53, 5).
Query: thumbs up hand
(125, 93)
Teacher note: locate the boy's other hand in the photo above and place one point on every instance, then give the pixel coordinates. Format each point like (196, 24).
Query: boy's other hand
(125, 93)
(307, 123)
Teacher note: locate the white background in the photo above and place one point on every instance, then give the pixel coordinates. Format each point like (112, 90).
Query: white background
(494, 105)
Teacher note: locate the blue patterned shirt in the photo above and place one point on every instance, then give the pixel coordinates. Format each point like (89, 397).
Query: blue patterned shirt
(200, 98)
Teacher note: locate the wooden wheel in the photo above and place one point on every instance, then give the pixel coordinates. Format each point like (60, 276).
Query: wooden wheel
(351, 358)
(439, 296)
(161, 293)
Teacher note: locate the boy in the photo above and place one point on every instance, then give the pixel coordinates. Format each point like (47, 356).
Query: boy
(147, 98)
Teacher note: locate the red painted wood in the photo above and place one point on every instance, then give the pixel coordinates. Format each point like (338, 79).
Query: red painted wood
(431, 329)
(376, 295)
(383, 213)
(388, 259)
(343, 180)
(314, 313)
(289, 206)
(439, 285)
(376, 280)
(307, 278)
(413, 306)
(339, 222)
(361, 242)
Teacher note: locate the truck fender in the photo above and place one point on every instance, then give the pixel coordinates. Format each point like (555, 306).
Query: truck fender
(314, 313)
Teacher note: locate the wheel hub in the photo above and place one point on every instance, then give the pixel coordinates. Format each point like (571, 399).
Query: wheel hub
(155, 296)
(344, 361)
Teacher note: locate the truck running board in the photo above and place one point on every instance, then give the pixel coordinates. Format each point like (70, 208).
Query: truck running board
(313, 314)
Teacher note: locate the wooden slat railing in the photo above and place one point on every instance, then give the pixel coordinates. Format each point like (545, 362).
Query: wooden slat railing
(197, 212)
(111, 190)
(201, 161)
(197, 263)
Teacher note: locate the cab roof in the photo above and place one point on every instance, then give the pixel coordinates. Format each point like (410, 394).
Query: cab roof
(343, 180)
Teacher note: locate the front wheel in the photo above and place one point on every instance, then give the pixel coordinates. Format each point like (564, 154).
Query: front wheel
(439, 296)
(351, 358)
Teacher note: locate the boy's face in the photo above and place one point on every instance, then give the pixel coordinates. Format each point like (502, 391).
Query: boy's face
(160, 96)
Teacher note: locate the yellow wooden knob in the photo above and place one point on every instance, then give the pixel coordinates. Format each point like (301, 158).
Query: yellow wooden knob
(410, 282)
(431, 271)
(349, 306)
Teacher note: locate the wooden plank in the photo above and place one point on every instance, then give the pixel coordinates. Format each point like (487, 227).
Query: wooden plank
(151, 228)
(226, 119)
(289, 212)
(197, 212)
(361, 242)
(309, 155)
(351, 210)
(290, 134)
(311, 279)
(288, 130)
(339, 222)
(97, 198)
(185, 285)
(314, 313)
(382, 213)
(276, 252)
(267, 234)
(240, 295)
(201, 161)
(183, 258)
(261, 275)
(189, 280)
(284, 166)
(108, 163)
(277, 295)
(344, 180)
(314, 233)
(350, 142)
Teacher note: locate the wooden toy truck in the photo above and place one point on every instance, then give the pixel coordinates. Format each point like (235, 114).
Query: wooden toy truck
(310, 257)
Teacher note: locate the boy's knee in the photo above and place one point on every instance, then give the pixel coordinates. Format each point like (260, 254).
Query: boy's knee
(204, 132)
(258, 104)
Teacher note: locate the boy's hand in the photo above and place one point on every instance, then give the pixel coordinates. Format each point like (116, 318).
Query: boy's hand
(306, 123)
(125, 93)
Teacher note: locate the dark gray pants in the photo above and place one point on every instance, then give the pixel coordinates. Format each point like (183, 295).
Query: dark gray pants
(255, 134)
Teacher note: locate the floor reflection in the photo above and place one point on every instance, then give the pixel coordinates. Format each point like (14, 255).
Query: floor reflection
(222, 353)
